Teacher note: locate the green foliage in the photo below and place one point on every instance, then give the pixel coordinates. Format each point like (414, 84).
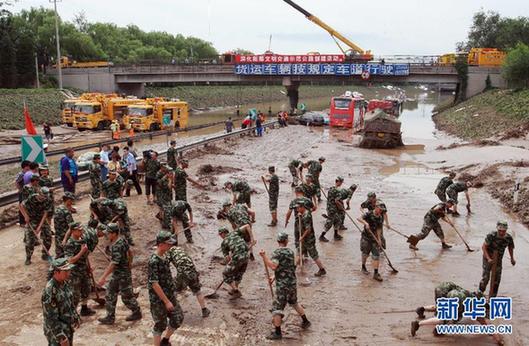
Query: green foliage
(490, 30)
(516, 66)
(461, 67)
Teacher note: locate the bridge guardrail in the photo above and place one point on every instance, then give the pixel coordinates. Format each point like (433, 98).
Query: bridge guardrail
(11, 197)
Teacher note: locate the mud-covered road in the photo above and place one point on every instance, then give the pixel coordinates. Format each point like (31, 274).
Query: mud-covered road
(345, 307)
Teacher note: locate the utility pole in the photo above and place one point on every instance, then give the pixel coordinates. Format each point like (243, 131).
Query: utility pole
(59, 68)
(37, 69)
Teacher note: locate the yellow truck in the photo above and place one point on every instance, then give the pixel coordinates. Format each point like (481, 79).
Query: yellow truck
(156, 113)
(66, 62)
(486, 57)
(98, 114)
(68, 106)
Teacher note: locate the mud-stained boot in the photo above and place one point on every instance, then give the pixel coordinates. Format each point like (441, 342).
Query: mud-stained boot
(320, 272)
(337, 236)
(205, 312)
(86, 311)
(455, 213)
(274, 336)
(236, 294)
(252, 257)
(44, 256)
(414, 328)
(28, 261)
(190, 241)
(364, 270)
(420, 312)
(323, 239)
(446, 246)
(165, 342)
(107, 320)
(413, 247)
(134, 316)
(305, 324)
(377, 277)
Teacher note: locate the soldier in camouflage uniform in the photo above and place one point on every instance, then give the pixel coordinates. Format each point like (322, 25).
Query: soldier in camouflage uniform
(309, 205)
(47, 210)
(273, 194)
(283, 264)
(493, 250)
(119, 270)
(76, 250)
(162, 296)
(334, 207)
(239, 214)
(113, 187)
(172, 155)
(453, 191)
(309, 189)
(31, 188)
(180, 181)
(62, 218)
(241, 192)
(100, 210)
(314, 168)
(164, 184)
(59, 314)
(347, 194)
(187, 275)
(431, 221)
(45, 180)
(176, 219)
(151, 166)
(373, 222)
(95, 176)
(440, 190)
(235, 251)
(370, 204)
(121, 215)
(308, 238)
(33, 208)
(295, 167)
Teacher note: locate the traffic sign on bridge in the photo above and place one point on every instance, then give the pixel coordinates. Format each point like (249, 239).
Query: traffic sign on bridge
(33, 149)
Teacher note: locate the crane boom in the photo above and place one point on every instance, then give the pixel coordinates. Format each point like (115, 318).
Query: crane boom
(335, 34)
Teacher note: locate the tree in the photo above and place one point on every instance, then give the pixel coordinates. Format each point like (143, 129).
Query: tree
(516, 66)
(461, 67)
(8, 69)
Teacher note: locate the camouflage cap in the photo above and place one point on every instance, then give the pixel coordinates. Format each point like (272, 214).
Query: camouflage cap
(371, 194)
(502, 225)
(223, 230)
(75, 225)
(282, 236)
(339, 178)
(271, 168)
(321, 159)
(105, 202)
(165, 237)
(96, 156)
(459, 294)
(61, 264)
(452, 174)
(353, 187)
(35, 177)
(172, 142)
(43, 168)
(113, 228)
(92, 223)
(68, 195)
(380, 205)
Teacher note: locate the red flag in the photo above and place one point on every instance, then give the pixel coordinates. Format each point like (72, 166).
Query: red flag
(30, 129)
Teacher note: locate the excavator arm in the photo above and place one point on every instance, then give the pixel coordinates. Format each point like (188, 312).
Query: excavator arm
(334, 34)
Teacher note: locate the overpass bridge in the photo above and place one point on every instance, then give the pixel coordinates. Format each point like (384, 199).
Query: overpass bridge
(131, 79)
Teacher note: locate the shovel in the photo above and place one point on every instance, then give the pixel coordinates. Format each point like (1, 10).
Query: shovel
(214, 295)
(50, 257)
(493, 274)
(100, 301)
(463, 239)
(412, 239)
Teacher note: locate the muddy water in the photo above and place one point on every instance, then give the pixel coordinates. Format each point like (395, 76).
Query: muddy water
(345, 307)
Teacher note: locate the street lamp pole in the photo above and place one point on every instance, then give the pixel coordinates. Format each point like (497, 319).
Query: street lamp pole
(59, 68)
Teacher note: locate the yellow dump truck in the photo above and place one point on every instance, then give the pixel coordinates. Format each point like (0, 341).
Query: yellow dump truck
(156, 113)
(99, 113)
(486, 57)
(68, 106)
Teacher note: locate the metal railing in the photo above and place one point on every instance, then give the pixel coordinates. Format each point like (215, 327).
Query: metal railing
(11, 197)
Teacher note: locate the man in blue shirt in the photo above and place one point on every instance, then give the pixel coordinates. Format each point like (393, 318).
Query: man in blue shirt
(132, 168)
(69, 171)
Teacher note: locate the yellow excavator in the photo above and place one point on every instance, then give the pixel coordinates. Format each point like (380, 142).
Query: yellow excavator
(353, 53)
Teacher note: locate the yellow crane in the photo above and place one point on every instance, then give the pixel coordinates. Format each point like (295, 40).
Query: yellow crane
(354, 52)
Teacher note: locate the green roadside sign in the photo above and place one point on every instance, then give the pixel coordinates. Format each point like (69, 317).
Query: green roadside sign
(33, 149)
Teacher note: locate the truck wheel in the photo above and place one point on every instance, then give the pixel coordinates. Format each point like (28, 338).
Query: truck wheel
(152, 127)
(101, 125)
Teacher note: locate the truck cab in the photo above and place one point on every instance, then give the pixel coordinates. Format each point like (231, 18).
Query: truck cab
(155, 114)
(67, 111)
(99, 114)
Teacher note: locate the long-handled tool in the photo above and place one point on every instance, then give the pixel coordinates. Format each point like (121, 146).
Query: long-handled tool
(412, 239)
(214, 295)
(50, 257)
(300, 245)
(376, 239)
(266, 186)
(463, 239)
(103, 252)
(97, 299)
(268, 278)
(493, 274)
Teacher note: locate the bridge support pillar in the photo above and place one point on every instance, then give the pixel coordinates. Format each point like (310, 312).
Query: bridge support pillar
(292, 92)
(136, 89)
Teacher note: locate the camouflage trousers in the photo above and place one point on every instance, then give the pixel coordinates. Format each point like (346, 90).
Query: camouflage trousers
(272, 201)
(120, 283)
(296, 238)
(125, 230)
(244, 198)
(234, 271)
(161, 316)
(485, 276)
(294, 173)
(81, 286)
(317, 186)
(334, 219)
(59, 249)
(180, 194)
(30, 239)
(309, 247)
(96, 191)
(441, 195)
(368, 245)
(50, 336)
(190, 279)
(284, 295)
(428, 225)
(452, 194)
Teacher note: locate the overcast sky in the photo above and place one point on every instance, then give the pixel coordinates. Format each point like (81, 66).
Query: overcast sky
(383, 26)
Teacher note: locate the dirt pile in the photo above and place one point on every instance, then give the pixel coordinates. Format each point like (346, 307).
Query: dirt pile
(209, 149)
(216, 170)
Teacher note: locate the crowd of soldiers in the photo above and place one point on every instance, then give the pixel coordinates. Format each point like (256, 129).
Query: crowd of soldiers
(71, 277)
